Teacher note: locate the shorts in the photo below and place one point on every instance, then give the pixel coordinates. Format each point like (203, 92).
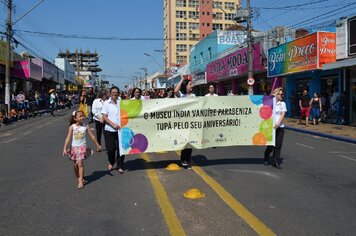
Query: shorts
(80, 153)
(305, 112)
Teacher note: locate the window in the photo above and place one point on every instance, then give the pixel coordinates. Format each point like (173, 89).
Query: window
(181, 25)
(193, 3)
(228, 26)
(194, 15)
(181, 14)
(203, 13)
(217, 5)
(181, 48)
(209, 51)
(201, 57)
(208, 24)
(180, 3)
(230, 16)
(193, 26)
(195, 60)
(181, 59)
(217, 26)
(217, 16)
(194, 37)
(230, 5)
(181, 36)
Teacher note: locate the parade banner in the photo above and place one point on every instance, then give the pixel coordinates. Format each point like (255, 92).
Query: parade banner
(303, 54)
(174, 124)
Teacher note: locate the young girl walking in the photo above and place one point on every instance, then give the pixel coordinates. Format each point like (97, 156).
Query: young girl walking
(78, 150)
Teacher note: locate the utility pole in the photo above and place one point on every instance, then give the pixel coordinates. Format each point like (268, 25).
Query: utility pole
(8, 55)
(245, 15)
(250, 79)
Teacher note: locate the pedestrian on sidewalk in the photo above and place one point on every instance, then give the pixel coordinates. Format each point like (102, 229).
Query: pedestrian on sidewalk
(52, 101)
(280, 111)
(304, 104)
(316, 108)
(184, 90)
(111, 116)
(78, 151)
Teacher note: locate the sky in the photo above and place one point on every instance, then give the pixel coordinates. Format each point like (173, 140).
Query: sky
(121, 60)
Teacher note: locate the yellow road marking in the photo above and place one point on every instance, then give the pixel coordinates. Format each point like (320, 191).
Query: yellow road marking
(174, 225)
(235, 205)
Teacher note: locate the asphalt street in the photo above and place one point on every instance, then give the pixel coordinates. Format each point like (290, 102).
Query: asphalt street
(314, 193)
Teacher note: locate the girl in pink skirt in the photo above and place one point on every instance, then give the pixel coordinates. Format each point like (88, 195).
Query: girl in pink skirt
(78, 151)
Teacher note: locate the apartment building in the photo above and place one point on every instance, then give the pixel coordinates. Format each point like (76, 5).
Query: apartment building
(188, 21)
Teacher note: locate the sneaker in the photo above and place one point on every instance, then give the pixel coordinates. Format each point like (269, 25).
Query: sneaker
(184, 163)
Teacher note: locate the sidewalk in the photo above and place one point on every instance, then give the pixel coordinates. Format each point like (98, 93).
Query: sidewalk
(332, 131)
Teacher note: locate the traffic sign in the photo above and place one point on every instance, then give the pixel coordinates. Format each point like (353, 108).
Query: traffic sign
(251, 81)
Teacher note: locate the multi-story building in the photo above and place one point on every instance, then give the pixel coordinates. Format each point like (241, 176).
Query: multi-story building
(188, 21)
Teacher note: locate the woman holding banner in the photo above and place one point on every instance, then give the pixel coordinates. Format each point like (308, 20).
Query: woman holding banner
(184, 90)
(111, 116)
(280, 111)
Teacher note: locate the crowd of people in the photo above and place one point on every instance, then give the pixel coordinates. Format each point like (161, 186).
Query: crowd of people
(24, 105)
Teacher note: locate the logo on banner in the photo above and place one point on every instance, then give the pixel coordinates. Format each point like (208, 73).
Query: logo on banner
(221, 138)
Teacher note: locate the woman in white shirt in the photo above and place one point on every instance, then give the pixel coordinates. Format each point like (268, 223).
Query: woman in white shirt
(280, 111)
(98, 117)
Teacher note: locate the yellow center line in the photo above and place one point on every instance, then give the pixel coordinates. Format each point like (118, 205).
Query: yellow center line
(172, 221)
(235, 205)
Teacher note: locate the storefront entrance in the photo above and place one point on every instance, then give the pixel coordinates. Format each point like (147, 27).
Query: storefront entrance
(353, 101)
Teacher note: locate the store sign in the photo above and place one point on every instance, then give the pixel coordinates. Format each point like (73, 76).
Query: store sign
(235, 64)
(27, 70)
(199, 78)
(231, 37)
(303, 54)
(50, 71)
(352, 36)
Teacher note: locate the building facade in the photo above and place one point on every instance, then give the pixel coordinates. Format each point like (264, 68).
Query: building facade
(186, 22)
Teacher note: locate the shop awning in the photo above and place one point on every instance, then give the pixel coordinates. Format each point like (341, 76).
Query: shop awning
(340, 64)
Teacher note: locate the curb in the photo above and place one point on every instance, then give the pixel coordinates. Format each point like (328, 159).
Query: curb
(329, 136)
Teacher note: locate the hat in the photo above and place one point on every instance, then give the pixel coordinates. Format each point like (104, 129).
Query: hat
(51, 90)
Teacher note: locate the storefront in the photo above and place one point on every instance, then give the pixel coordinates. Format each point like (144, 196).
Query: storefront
(300, 63)
(347, 85)
(230, 72)
(27, 76)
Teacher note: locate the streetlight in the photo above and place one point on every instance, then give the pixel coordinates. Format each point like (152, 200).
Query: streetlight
(145, 70)
(164, 60)
(146, 54)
